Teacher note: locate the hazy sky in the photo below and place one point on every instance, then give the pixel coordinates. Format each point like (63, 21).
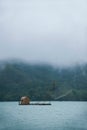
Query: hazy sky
(51, 31)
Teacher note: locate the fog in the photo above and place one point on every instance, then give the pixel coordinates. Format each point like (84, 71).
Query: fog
(44, 31)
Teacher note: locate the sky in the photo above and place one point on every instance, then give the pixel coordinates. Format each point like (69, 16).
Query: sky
(44, 31)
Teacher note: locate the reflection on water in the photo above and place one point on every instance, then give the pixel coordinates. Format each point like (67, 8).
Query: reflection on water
(58, 116)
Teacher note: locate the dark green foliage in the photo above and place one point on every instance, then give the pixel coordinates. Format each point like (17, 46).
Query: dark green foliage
(42, 82)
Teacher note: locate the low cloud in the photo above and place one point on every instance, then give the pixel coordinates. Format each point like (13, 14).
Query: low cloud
(52, 32)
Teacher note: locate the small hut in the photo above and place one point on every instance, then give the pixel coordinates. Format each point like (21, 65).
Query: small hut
(24, 101)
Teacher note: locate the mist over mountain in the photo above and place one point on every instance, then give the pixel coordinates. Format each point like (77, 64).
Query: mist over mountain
(44, 31)
(42, 81)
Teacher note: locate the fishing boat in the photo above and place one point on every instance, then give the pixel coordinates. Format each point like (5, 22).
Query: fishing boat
(25, 100)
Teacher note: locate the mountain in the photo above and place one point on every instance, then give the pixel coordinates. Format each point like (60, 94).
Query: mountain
(42, 82)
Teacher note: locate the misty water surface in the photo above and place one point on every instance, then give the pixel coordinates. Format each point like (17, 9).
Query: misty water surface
(58, 116)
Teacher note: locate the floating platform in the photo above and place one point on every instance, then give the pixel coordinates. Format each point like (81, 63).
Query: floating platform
(37, 104)
(40, 104)
(25, 100)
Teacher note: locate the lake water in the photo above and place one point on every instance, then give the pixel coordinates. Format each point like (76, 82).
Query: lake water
(58, 116)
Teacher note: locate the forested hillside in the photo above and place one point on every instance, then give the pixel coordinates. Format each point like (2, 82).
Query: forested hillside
(42, 82)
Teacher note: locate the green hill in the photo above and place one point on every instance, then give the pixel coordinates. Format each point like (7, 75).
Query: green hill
(42, 82)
